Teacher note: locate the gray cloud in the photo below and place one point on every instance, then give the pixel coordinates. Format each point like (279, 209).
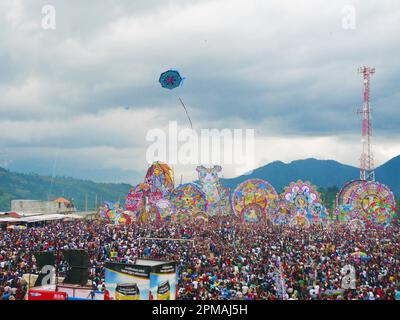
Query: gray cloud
(286, 70)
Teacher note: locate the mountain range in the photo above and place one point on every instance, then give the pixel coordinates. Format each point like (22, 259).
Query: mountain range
(327, 175)
(322, 173)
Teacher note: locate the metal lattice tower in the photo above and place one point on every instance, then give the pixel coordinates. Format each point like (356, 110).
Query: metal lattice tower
(367, 160)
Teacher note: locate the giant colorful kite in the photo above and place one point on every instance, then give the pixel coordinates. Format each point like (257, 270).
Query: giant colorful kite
(252, 200)
(217, 195)
(369, 201)
(189, 202)
(148, 203)
(136, 198)
(113, 213)
(160, 177)
(306, 203)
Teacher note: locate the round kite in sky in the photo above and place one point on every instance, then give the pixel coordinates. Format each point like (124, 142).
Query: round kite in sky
(170, 79)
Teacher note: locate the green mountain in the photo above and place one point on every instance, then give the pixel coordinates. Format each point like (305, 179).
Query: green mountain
(322, 173)
(84, 193)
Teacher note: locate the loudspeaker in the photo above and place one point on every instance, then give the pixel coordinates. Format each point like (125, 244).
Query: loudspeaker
(78, 261)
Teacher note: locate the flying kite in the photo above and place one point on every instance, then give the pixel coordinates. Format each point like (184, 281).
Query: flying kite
(171, 79)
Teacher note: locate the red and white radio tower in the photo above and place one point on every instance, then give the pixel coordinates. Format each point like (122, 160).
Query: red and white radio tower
(367, 160)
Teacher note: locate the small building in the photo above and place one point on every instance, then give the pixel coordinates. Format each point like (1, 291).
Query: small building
(57, 206)
(26, 213)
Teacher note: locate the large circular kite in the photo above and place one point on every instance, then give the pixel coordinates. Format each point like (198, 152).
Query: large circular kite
(306, 203)
(189, 202)
(372, 201)
(160, 177)
(252, 200)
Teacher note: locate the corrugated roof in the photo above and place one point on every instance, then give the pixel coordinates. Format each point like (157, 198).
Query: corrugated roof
(38, 218)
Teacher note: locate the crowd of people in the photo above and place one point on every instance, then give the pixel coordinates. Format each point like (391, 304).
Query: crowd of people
(227, 259)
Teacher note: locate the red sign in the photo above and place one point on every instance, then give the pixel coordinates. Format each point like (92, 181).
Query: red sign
(46, 295)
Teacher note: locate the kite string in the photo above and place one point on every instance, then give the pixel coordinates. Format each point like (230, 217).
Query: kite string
(187, 114)
(190, 121)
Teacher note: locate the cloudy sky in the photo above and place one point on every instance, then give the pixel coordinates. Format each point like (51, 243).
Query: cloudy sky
(79, 100)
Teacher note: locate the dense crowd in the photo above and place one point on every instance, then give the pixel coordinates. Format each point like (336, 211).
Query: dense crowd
(227, 259)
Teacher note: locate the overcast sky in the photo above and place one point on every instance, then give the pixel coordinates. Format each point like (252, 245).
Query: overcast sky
(79, 100)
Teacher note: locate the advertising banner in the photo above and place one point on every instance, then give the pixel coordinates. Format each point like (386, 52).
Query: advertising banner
(149, 280)
(127, 281)
(163, 281)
